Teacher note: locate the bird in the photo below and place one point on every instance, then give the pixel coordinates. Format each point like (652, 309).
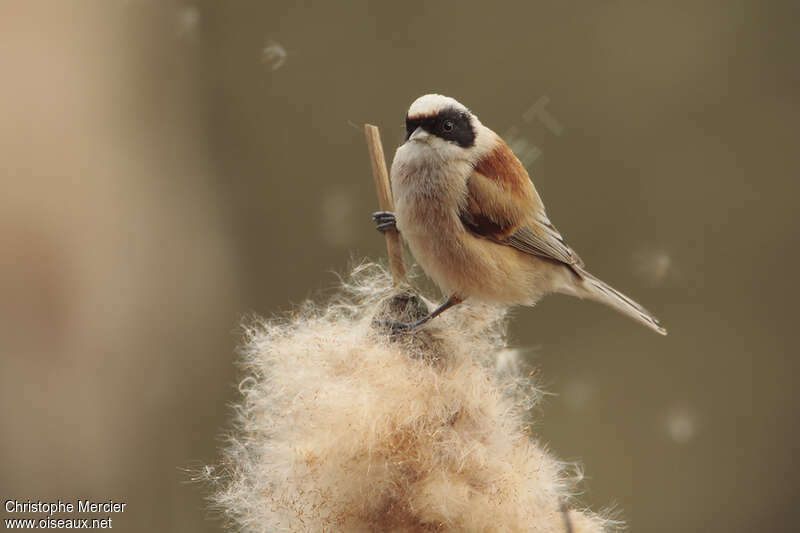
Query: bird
(473, 220)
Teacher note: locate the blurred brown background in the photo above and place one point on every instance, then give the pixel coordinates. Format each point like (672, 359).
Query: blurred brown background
(168, 167)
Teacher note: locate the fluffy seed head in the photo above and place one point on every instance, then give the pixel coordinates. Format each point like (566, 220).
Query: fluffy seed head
(341, 428)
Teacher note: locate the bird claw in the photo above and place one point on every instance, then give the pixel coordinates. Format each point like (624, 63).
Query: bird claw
(395, 328)
(384, 220)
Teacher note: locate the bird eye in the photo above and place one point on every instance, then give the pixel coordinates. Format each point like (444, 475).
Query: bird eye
(448, 125)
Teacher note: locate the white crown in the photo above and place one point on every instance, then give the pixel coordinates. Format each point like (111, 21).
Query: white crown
(431, 104)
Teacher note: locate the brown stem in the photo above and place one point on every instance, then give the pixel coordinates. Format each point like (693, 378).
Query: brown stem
(567, 519)
(384, 190)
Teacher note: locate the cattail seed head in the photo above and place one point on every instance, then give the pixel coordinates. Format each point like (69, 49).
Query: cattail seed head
(343, 428)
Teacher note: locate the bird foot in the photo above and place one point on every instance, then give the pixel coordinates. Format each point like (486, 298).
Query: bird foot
(395, 328)
(384, 220)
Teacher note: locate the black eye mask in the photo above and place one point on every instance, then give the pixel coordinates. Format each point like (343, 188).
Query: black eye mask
(449, 124)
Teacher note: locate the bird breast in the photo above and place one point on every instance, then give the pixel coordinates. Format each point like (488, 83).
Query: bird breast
(428, 190)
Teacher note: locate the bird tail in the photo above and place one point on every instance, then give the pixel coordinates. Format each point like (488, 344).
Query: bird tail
(600, 291)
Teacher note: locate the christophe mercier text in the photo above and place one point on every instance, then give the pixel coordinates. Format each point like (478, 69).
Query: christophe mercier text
(51, 508)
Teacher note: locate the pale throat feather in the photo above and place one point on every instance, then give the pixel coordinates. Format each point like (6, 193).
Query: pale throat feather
(418, 177)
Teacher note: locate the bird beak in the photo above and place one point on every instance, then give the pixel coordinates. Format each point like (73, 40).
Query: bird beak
(419, 135)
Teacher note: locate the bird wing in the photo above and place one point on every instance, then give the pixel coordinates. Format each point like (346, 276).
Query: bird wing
(502, 205)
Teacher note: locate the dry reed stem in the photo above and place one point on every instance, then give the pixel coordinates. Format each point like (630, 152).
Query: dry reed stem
(384, 189)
